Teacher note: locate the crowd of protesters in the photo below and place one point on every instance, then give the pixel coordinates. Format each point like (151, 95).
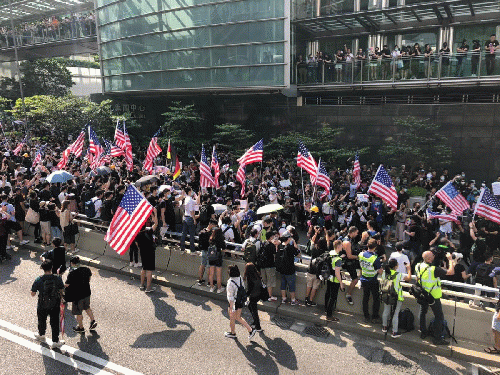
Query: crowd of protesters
(49, 29)
(361, 234)
(408, 62)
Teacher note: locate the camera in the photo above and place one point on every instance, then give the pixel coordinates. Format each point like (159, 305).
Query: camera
(456, 255)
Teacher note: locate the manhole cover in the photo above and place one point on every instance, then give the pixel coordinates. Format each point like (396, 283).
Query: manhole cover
(317, 331)
(282, 322)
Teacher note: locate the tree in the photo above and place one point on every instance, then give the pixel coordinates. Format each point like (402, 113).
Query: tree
(233, 138)
(418, 143)
(45, 77)
(9, 88)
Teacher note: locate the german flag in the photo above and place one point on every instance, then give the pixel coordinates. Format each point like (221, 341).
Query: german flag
(177, 170)
(169, 150)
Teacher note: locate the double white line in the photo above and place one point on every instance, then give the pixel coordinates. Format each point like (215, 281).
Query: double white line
(68, 360)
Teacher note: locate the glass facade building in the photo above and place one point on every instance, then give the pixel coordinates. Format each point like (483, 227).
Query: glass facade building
(193, 44)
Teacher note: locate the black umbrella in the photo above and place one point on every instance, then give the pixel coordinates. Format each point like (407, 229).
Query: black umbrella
(101, 171)
(146, 180)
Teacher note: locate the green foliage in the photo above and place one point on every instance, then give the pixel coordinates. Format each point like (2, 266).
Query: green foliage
(420, 143)
(9, 88)
(184, 127)
(232, 137)
(45, 77)
(417, 191)
(78, 63)
(65, 115)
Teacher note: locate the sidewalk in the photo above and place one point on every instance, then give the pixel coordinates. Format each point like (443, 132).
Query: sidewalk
(465, 350)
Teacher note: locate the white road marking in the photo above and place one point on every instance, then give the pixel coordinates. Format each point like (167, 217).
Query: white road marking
(73, 351)
(52, 354)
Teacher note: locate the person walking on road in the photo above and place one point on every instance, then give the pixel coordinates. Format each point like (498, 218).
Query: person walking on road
(254, 289)
(78, 291)
(145, 241)
(49, 288)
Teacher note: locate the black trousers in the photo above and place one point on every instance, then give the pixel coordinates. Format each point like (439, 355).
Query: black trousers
(133, 253)
(54, 321)
(332, 291)
(372, 288)
(252, 306)
(38, 230)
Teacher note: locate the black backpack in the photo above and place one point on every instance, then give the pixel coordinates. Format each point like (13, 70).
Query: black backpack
(446, 330)
(322, 266)
(280, 259)
(388, 293)
(90, 209)
(420, 293)
(483, 274)
(241, 295)
(50, 296)
(250, 252)
(406, 320)
(213, 253)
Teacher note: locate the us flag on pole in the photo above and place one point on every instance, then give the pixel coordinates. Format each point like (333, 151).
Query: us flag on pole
(488, 206)
(95, 146)
(77, 146)
(452, 198)
(322, 179)
(119, 135)
(241, 177)
(64, 158)
(214, 164)
(306, 161)
(253, 154)
(19, 147)
(153, 151)
(130, 216)
(356, 172)
(441, 216)
(206, 178)
(383, 188)
(38, 158)
(129, 159)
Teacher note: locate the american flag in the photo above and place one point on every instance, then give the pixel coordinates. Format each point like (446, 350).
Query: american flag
(306, 161)
(322, 178)
(65, 157)
(128, 149)
(119, 135)
(38, 157)
(153, 151)
(488, 206)
(214, 164)
(77, 146)
(356, 172)
(452, 198)
(206, 178)
(114, 150)
(19, 147)
(241, 177)
(95, 146)
(253, 154)
(383, 188)
(442, 216)
(130, 216)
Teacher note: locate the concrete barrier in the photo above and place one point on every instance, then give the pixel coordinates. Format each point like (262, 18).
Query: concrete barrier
(470, 324)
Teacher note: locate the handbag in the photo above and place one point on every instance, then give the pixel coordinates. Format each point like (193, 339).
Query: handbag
(73, 229)
(264, 293)
(32, 216)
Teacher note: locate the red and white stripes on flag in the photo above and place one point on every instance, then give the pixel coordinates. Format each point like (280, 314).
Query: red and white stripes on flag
(322, 179)
(153, 151)
(77, 145)
(214, 164)
(488, 206)
(206, 178)
(129, 159)
(119, 135)
(19, 147)
(37, 159)
(453, 199)
(383, 187)
(241, 177)
(64, 159)
(253, 154)
(356, 172)
(130, 216)
(306, 161)
(441, 216)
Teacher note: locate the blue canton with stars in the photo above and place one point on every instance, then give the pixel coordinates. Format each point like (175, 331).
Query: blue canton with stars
(303, 150)
(383, 177)
(490, 200)
(450, 190)
(131, 200)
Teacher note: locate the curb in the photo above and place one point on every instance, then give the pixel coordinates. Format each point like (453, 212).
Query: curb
(474, 357)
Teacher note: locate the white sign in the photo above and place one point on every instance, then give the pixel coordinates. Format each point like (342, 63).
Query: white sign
(363, 197)
(496, 188)
(243, 204)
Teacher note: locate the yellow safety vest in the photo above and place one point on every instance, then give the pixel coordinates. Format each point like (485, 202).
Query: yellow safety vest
(333, 277)
(430, 282)
(367, 267)
(397, 284)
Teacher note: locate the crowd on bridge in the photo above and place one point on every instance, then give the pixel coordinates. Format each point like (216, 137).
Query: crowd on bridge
(358, 222)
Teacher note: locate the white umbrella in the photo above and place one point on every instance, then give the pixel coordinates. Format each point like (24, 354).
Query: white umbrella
(269, 208)
(164, 187)
(219, 208)
(285, 183)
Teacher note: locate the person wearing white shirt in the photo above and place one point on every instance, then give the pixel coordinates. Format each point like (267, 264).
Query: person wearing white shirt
(227, 229)
(401, 258)
(189, 220)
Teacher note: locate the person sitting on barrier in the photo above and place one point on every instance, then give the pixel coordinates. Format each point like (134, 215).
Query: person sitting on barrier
(189, 221)
(203, 243)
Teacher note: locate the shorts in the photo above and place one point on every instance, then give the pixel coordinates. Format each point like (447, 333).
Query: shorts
(80, 306)
(45, 227)
(215, 263)
(204, 258)
(288, 280)
(68, 238)
(495, 323)
(13, 225)
(55, 232)
(268, 277)
(351, 269)
(312, 281)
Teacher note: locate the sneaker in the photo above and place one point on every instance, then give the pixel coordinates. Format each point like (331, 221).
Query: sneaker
(256, 329)
(332, 318)
(384, 329)
(76, 251)
(252, 333)
(201, 282)
(152, 289)
(395, 334)
(294, 302)
(38, 240)
(137, 265)
(312, 303)
(349, 299)
(221, 290)
(57, 345)
(283, 300)
(24, 242)
(40, 338)
(272, 298)
(131, 264)
(230, 335)
(441, 342)
(93, 325)
(212, 289)
(79, 329)
(142, 287)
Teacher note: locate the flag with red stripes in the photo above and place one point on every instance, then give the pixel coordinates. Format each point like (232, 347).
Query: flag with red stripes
(356, 172)
(214, 164)
(94, 144)
(322, 179)
(488, 206)
(306, 161)
(241, 177)
(37, 159)
(77, 145)
(19, 147)
(64, 159)
(130, 216)
(253, 154)
(383, 187)
(129, 159)
(206, 178)
(453, 199)
(119, 135)
(153, 151)
(441, 216)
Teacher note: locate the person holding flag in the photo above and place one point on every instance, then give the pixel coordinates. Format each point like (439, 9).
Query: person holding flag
(206, 178)
(383, 187)
(214, 164)
(153, 151)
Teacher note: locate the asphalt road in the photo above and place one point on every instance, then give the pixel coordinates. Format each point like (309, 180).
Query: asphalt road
(175, 332)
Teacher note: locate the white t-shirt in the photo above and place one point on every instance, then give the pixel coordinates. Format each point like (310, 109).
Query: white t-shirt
(402, 259)
(445, 226)
(327, 209)
(97, 206)
(228, 234)
(189, 207)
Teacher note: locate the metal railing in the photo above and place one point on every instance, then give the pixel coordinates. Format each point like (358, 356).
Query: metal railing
(398, 69)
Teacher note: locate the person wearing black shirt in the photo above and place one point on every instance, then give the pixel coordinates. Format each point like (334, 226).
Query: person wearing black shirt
(78, 291)
(386, 62)
(491, 46)
(203, 242)
(146, 243)
(57, 255)
(45, 194)
(107, 207)
(444, 53)
(461, 53)
(285, 264)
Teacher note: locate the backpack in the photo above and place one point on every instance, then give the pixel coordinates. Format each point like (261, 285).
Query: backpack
(388, 293)
(90, 209)
(250, 252)
(483, 274)
(446, 330)
(241, 295)
(50, 296)
(322, 266)
(213, 253)
(421, 295)
(203, 214)
(406, 320)
(280, 260)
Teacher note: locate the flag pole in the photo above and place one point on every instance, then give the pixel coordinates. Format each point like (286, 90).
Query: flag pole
(303, 192)
(315, 183)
